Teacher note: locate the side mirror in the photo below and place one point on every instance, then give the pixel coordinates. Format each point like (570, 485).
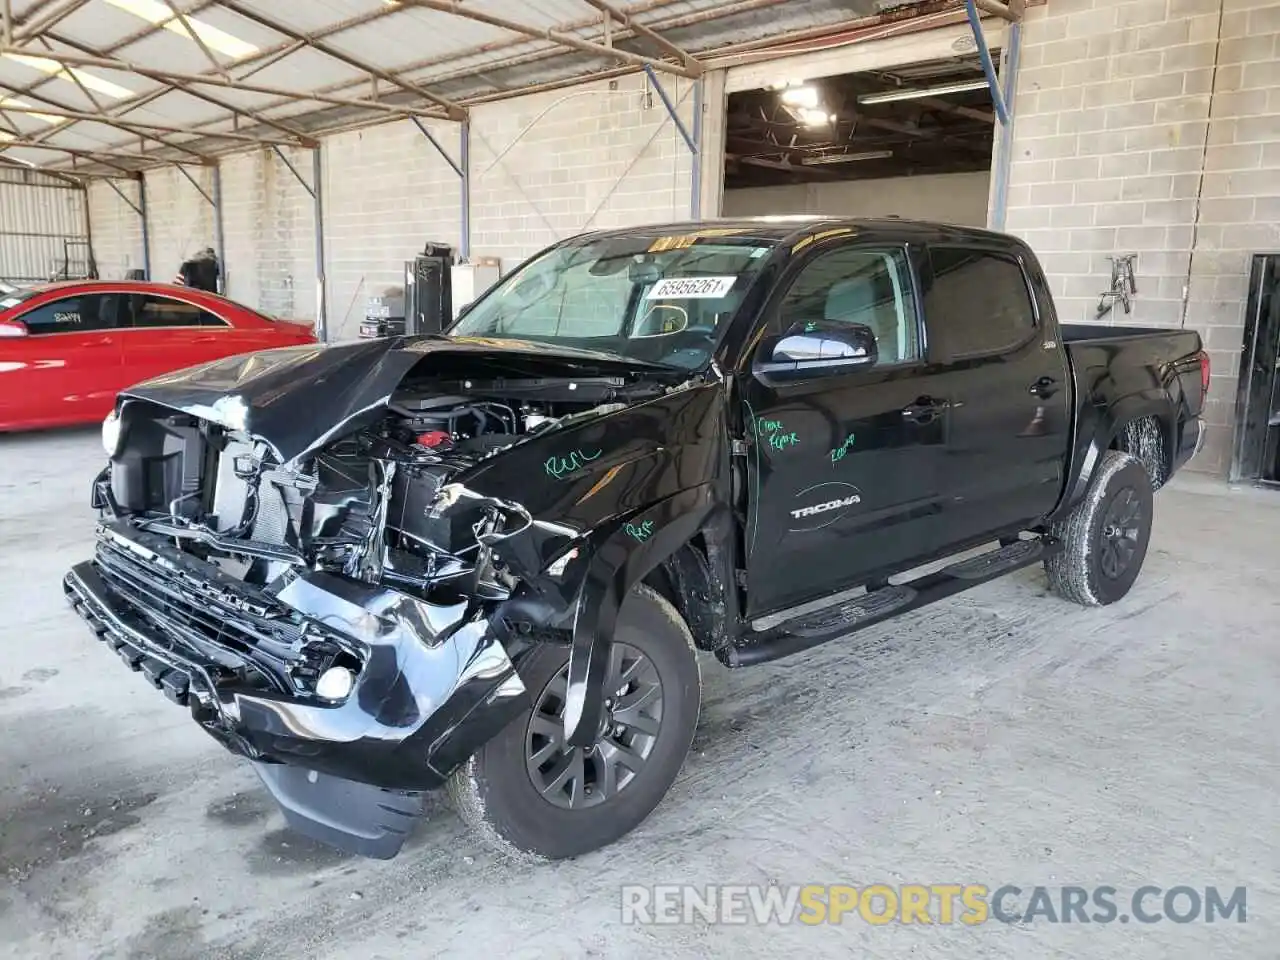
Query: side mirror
(11, 329)
(818, 346)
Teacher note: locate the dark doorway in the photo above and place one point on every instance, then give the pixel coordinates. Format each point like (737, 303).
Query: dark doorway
(1257, 452)
(913, 140)
(925, 118)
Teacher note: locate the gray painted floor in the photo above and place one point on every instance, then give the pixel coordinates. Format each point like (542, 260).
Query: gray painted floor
(1001, 737)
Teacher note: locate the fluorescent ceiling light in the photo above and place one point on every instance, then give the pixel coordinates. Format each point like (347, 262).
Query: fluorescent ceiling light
(21, 106)
(55, 69)
(847, 157)
(800, 96)
(159, 14)
(941, 90)
(812, 117)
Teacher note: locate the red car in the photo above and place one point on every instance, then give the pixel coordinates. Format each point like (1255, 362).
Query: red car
(66, 349)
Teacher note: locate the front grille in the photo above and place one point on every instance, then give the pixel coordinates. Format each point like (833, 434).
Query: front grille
(167, 669)
(205, 609)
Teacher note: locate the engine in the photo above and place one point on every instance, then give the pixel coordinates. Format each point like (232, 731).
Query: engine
(361, 506)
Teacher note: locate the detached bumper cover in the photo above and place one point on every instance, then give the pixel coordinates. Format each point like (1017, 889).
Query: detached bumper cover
(433, 684)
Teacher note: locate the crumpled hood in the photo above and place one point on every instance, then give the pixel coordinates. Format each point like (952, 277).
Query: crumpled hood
(299, 398)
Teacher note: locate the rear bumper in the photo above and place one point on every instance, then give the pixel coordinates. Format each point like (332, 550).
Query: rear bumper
(1192, 441)
(433, 685)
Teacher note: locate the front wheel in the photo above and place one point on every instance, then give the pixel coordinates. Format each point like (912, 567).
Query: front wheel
(527, 790)
(1105, 536)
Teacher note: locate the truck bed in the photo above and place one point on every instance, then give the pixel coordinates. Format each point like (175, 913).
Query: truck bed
(1080, 332)
(1118, 369)
(1124, 351)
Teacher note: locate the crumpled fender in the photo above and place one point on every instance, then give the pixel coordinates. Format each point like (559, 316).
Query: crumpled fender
(623, 556)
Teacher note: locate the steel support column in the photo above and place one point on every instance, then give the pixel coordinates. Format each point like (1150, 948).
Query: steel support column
(146, 228)
(988, 68)
(1004, 159)
(322, 301)
(1002, 97)
(692, 139)
(219, 233)
(695, 193)
(92, 265)
(462, 167)
(464, 161)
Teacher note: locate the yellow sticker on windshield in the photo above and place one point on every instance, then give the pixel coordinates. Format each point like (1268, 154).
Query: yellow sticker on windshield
(671, 243)
(685, 240)
(823, 235)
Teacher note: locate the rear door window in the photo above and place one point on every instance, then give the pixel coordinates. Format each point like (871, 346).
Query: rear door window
(978, 303)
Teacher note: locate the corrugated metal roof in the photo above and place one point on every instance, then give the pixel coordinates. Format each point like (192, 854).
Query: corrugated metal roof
(257, 66)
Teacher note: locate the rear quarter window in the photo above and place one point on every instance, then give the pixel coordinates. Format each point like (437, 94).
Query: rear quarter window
(153, 311)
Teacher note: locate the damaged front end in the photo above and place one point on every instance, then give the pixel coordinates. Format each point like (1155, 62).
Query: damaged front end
(340, 579)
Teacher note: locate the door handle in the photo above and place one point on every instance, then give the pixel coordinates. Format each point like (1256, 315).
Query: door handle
(1044, 388)
(924, 409)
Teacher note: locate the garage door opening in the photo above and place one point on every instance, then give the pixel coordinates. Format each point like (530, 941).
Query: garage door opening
(913, 141)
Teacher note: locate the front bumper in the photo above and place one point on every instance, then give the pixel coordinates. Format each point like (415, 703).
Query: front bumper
(434, 682)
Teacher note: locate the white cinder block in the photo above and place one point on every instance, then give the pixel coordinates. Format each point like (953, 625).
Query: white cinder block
(1164, 142)
(117, 230)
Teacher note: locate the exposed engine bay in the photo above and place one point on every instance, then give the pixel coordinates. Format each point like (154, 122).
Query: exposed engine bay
(365, 506)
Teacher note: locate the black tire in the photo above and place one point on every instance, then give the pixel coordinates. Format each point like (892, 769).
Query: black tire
(1105, 537)
(495, 791)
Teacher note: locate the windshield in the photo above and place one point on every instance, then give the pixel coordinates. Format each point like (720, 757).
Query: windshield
(653, 299)
(11, 296)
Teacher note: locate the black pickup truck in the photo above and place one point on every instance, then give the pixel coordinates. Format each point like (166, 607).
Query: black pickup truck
(487, 558)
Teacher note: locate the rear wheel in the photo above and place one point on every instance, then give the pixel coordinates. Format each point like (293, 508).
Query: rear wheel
(530, 792)
(1105, 537)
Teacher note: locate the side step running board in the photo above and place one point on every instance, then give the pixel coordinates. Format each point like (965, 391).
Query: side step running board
(848, 616)
(877, 603)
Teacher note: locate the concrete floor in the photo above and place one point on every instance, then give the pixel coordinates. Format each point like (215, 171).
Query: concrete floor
(1001, 737)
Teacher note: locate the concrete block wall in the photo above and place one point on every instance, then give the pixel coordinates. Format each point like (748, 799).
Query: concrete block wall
(180, 221)
(1240, 199)
(553, 164)
(269, 226)
(543, 167)
(952, 198)
(1153, 127)
(117, 229)
(387, 191)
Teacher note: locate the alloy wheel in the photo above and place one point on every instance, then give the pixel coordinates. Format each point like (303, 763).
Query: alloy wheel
(1121, 527)
(574, 777)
